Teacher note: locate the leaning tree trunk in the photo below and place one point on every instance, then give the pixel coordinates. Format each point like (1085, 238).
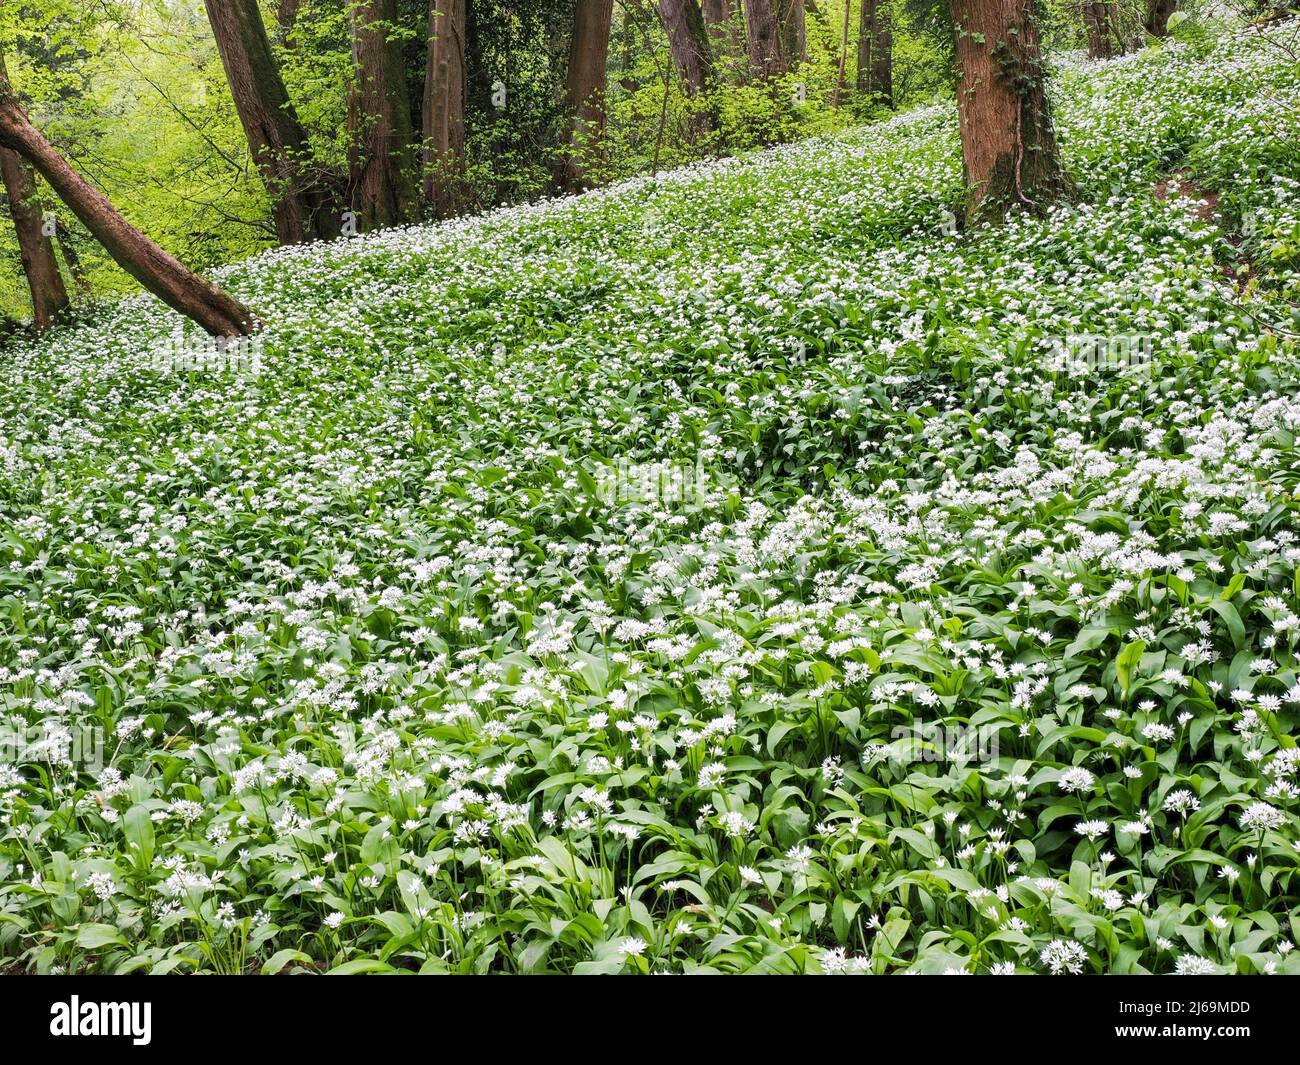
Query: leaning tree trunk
(1158, 14)
(35, 248)
(766, 55)
(1008, 143)
(689, 41)
(140, 257)
(875, 52)
(584, 91)
(445, 88)
(275, 136)
(383, 156)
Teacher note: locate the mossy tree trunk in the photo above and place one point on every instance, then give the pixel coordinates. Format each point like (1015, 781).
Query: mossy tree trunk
(688, 40)
(384, 186)
(1009, 152)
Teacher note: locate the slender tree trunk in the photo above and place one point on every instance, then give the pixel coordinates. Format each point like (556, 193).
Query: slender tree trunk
(140, 257)
(584, 91)
(766, 54)
(689, 41)
(275, 136)
(875, 52)
(1158, 15)
(1009, 151)
(35, 248)
(383, 164)
(445, 88)
(844, 55)
(794, 30)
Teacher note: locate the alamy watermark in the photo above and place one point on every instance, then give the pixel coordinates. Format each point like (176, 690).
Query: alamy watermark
(664, 483)
(72, 746)
(239, 356)
(1088, 352)
(934, 742)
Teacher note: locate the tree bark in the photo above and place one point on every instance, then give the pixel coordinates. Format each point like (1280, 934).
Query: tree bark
(445, 89)
(1009, 151)
(720, 18)
(584, 91)
(875, 52)
(766, 54)
(275, 136)
(1158, 15)
(383, 156)
(688, 38)
(286, 16)
(1101, 25)
(140, 257)
(73, 260)
(794, 30)
(35, 248)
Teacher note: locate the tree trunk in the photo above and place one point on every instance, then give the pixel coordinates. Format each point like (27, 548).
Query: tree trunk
(794, 30)
(1009, 151)
(140, 257)
(720, 18)
(35, 248)
(766, 54)
(72, 259)
(384, 190)
(875, 53)
(844, 55)
(445, 88)
(275, 136)
(286, 16)
(1101, 25)
(1158, 15)
(584, 91)
(689, 41)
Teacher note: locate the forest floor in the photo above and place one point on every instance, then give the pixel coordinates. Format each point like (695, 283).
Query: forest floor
(739, 570)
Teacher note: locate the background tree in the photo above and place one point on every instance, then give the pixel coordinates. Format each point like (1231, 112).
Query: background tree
(1102, 29)
(584, 91)
(792, 19)
(1158, 14)
(1008, 142)
(383, 184)
(876, 52)
(49, 295)
(689, 40)
(766, 54)
(445, 91)
(278, 143)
